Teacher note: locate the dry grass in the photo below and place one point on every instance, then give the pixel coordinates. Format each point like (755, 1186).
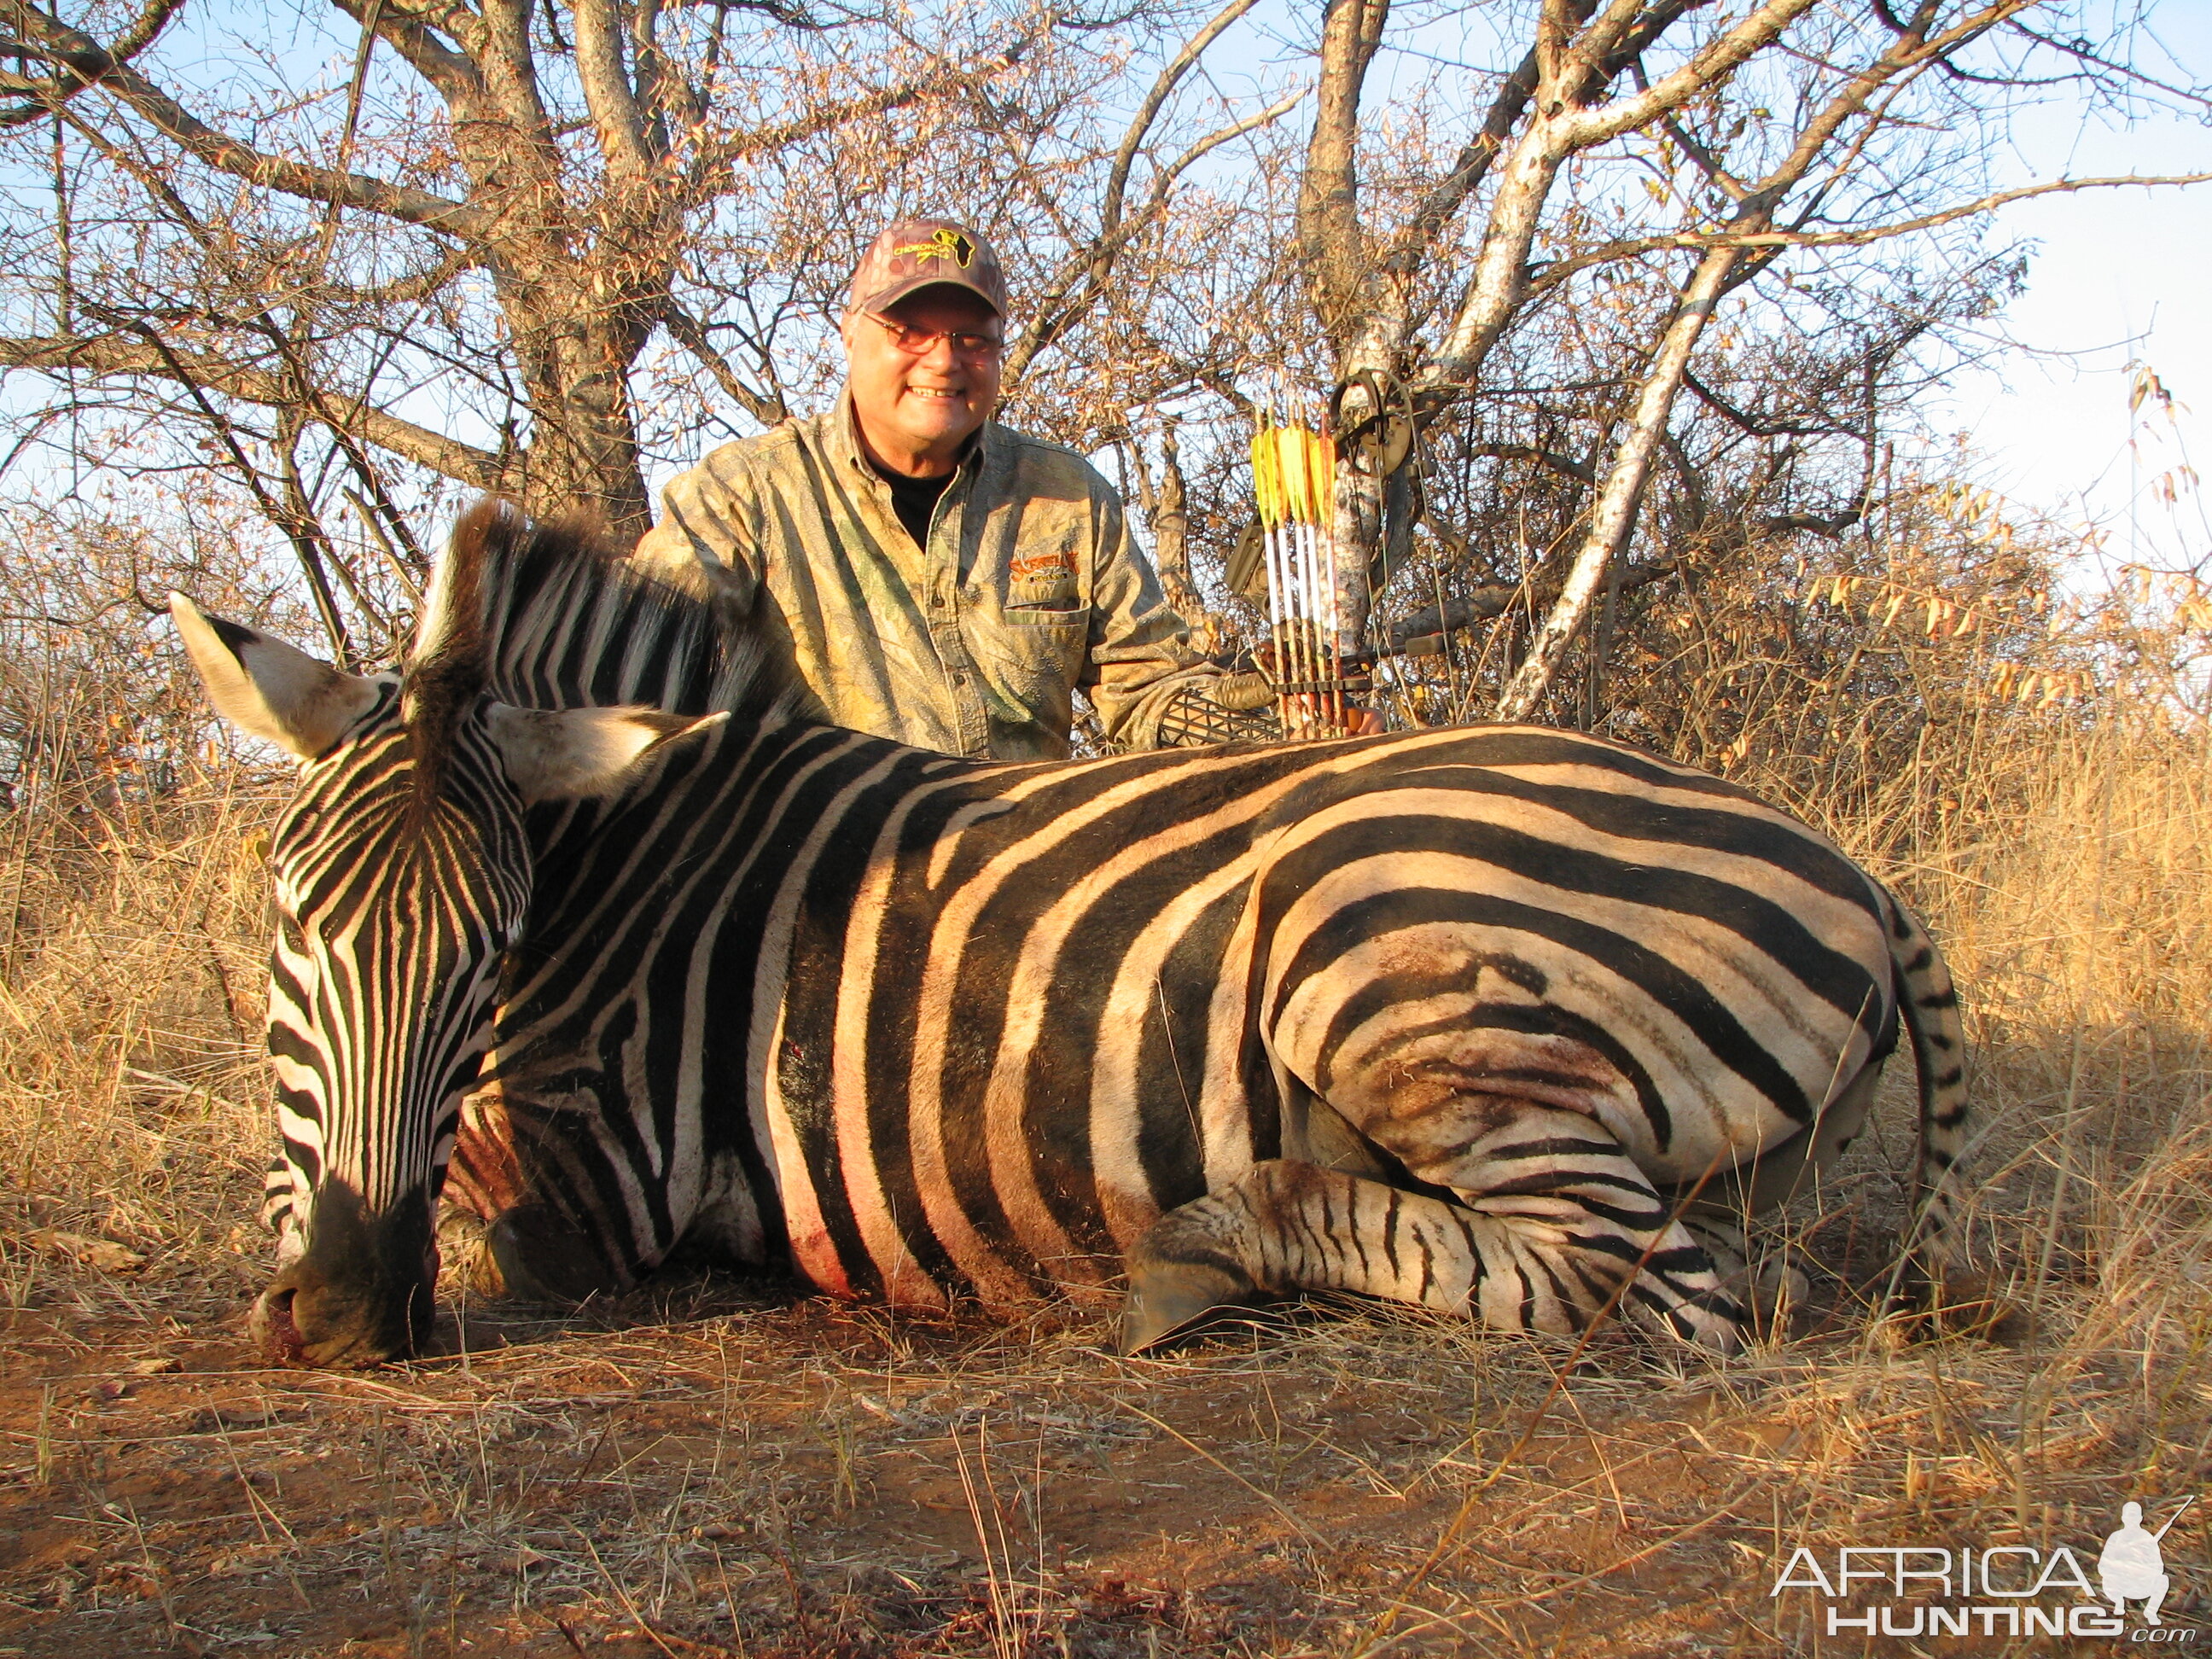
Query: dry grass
(714, 1468)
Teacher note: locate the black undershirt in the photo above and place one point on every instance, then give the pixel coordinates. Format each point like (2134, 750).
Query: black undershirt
(915, 499)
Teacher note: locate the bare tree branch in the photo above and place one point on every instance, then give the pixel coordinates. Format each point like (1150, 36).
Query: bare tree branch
(1862, 237)
(941, 78)
(47, 37)
(119, 354)
(42, 96)
(412, 289)
(1057, 311)
(615, 113)
(1409, 632)
(1162, 89)
(1332, 242)
(1614, 513)
(765, 407)
(448, 70)
(1711, 65)
(1473, 165)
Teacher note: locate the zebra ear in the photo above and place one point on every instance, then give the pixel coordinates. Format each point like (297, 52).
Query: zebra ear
(271, 689)
(573, 752)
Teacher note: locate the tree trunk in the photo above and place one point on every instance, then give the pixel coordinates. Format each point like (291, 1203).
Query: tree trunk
(1357, 519)
(1614, 516)
(1353, 296)
(583, 461)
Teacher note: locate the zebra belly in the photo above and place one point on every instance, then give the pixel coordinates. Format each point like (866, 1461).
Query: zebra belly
(894, 1208)
(994, 1069)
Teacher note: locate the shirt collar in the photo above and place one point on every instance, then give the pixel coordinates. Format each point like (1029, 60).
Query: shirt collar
(845, 441)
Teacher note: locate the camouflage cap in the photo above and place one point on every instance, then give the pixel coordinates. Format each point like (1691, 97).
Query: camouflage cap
(918, 253)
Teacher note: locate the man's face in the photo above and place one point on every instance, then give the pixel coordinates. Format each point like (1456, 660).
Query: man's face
(930, 402)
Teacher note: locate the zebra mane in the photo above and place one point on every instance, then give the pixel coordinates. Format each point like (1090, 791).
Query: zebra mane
(549, 616)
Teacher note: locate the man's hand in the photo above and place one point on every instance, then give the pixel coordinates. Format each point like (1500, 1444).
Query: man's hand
(1242, 709)
(1241, 692)
(1256, 691)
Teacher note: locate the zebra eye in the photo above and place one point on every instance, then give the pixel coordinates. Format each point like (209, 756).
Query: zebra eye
(288, 929)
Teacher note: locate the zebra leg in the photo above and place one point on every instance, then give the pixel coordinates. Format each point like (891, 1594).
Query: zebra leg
(507, 1238)
(1290, 1226)
(543, 1256)
(1583, 1215)
(276, 1211)
(1761, 1273)
(527, 1250)
(1758, 1266)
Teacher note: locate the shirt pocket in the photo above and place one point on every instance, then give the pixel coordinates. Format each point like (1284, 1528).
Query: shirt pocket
(1035, 657)
(1052, 598)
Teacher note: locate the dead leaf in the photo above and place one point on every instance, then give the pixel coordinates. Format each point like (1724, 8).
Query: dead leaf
(104, 1254)
(152, 1367)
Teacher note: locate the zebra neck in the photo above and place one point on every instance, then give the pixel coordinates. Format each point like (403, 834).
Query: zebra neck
(702, 871)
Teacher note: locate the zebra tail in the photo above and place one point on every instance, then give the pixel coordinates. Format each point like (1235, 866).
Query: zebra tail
(1930, 1003)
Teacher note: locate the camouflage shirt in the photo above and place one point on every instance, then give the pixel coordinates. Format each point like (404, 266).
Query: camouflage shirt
(1029, 588)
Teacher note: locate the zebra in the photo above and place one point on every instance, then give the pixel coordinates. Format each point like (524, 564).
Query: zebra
(587, 930)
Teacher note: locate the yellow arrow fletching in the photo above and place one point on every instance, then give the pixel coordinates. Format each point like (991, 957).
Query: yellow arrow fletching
(1267, 482)
(1291, 456)
(1293, 475)
(1320, 467)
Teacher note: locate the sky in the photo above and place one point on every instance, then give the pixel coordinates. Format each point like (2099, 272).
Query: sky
(2117, 278)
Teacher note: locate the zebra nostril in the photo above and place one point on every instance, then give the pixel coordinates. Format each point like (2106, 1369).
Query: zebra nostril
(273, 1328)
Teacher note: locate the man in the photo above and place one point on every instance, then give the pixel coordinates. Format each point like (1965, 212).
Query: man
(941, 578)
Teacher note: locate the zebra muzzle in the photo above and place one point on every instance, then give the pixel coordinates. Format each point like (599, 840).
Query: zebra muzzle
(273, 1330)
(361, 1293)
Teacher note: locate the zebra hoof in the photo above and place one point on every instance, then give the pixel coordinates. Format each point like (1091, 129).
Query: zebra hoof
(1929, 1307)
(541, 1258)
(1168, 1298)
(465, 1254)
(1768, 1292)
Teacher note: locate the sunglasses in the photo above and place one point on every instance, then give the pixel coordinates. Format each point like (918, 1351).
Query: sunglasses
(919, 341)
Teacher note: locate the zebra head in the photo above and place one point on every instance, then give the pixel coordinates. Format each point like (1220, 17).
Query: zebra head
(402, 873)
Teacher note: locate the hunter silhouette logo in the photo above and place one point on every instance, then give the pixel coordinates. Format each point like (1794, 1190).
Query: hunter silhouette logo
(942, 244)
(2132, 1568)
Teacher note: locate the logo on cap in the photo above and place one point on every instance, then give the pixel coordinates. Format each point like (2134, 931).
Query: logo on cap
(918, 253)
(944, 243)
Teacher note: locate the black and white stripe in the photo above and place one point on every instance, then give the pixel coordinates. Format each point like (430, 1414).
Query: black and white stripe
(1464, 1017)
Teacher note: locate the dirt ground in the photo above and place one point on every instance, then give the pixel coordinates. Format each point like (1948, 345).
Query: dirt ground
(719, 1469)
